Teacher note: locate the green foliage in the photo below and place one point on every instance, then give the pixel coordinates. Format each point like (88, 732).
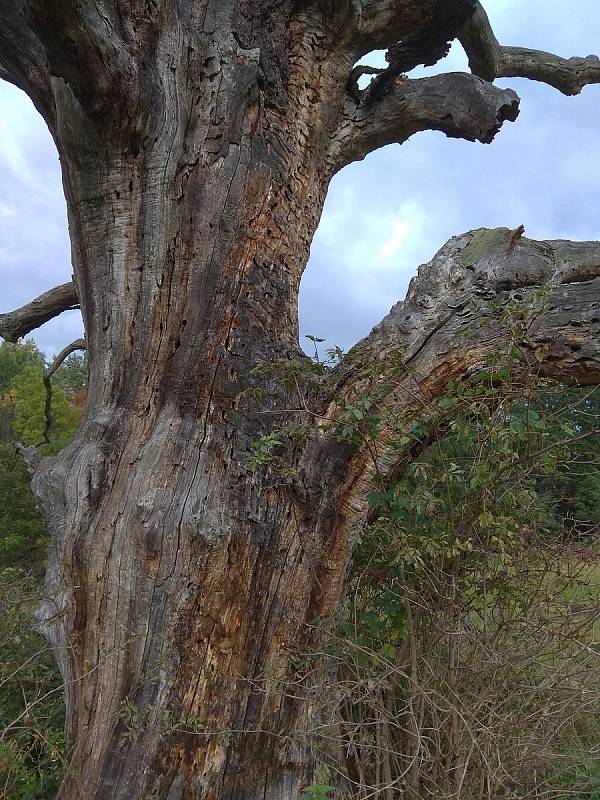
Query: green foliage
(470, 637)
(318, 791)
(22, 418)
(475, 588)
(262, 450)
(15, 358)
(472, 620)
(131, 718)
(575, 488)
(71, 376)
(30, 403)
(22, 528)
(31, 707)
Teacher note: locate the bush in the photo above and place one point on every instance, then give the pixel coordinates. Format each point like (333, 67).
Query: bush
(468, 665)
(31, 704)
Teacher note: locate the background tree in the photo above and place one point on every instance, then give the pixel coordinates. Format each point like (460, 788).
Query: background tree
(31, 711)
(197, 142)
(23, 420)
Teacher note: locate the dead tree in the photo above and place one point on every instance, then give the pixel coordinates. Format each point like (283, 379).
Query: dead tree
(197, 141)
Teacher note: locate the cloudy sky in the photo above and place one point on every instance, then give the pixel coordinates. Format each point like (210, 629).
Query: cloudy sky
(383, 216)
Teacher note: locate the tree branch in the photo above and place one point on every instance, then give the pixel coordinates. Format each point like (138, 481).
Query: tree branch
(84, 47)
(418, 32)
(454, 318)
(481, 46)
(459, 105)
(427, 44)
(22, 57)
(448, 306)
(76, 41)
(568, 75)
(78, 344)
(490, 60)
(18, 323)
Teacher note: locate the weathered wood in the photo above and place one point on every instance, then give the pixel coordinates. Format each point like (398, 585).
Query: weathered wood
(179, 581)
(449, 325)
(461, 106)
(197, 142)
(490, 60)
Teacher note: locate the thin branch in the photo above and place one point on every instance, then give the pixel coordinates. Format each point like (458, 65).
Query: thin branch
(78, 344)
(357, 73)
(490, 60)
(31, 453)
(459, 105)
(18, 323)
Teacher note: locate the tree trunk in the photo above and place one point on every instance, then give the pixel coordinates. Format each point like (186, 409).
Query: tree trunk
(179, 580)
(197, 141)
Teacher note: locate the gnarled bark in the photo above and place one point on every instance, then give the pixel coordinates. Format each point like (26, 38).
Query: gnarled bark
(197, 141)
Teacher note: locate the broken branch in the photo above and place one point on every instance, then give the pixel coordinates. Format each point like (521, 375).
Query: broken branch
(451, 321)
(461, 106)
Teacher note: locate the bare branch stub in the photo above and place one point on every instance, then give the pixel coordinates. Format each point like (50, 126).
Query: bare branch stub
(21, 321)
(461, 106)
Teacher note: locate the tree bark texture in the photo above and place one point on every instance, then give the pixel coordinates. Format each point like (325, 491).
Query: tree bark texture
(197, 142)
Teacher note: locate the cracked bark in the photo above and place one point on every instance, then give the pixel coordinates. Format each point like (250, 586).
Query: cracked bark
(197, 142)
